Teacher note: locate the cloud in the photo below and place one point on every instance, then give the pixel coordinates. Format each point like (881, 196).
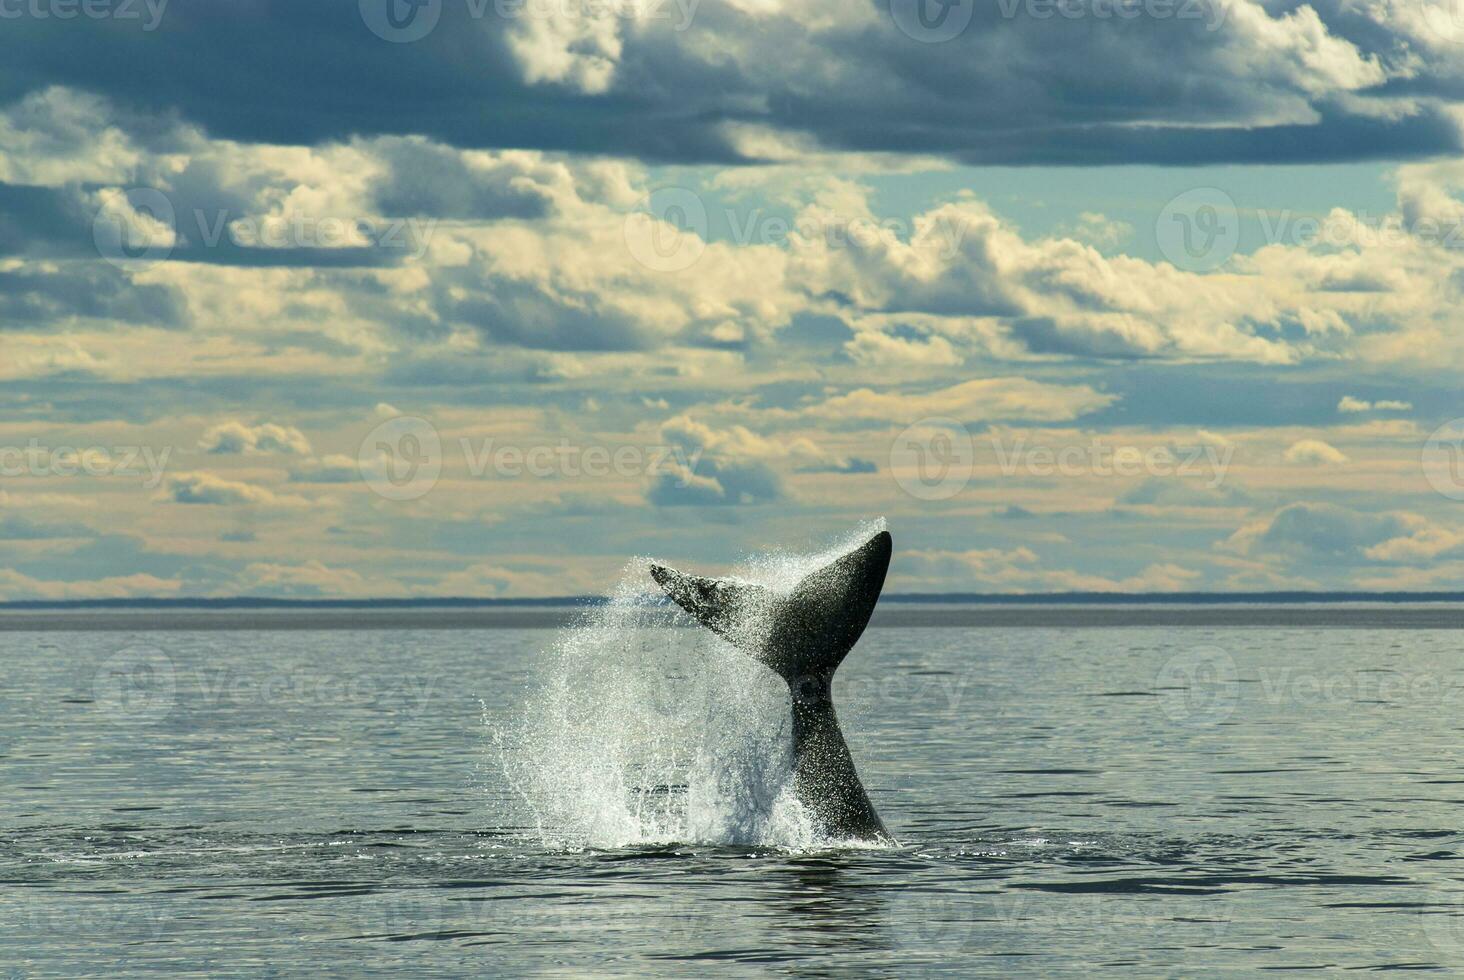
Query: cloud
(311, 578)
(492, 580)
(850, 466)
(720, 467)
(524, 282)
(1320, 530)
(1019, 570)
(209, 488)
(1245, 81)
(15, 587)
(1423, 544)
(234, 437)
(1313, 452)
(1169, 492)
(336, 468)
(18, 527)
(979, 400)
(1350, 404)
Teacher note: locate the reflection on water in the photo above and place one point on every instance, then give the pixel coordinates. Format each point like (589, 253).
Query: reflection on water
(1135, 801)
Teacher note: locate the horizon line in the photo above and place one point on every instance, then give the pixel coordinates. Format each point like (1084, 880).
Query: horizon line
(1295, 596)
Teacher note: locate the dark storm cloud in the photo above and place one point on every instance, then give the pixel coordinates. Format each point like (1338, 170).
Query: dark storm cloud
(521, 314)
(32, 298)
(1327, 530)
(117, 554)
(717, 483)
(431, 180)
(44, 222)
(14, 527)
(62, 223)
(1011, 88)
(274, 71)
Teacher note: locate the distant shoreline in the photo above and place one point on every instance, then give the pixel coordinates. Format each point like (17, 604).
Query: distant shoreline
(913, 598)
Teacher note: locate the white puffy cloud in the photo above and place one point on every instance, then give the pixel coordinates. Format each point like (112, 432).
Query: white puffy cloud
(1021, 570)
(1354, 405)
(978, 400)
(1314, 452)
(15, 587)
(211, 489)
(233, 437)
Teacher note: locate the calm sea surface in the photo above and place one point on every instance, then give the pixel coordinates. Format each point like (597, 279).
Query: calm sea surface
(1076, 793)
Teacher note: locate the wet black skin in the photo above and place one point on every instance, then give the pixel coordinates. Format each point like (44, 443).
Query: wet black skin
(804, 636)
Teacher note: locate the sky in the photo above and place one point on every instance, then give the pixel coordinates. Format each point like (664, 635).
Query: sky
(354, 298)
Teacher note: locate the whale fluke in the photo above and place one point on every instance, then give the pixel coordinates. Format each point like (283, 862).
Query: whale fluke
(803, 634)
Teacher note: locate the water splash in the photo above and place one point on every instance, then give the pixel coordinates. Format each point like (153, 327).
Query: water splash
(644, 732)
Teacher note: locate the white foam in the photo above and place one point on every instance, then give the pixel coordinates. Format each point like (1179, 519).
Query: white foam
(642, 734)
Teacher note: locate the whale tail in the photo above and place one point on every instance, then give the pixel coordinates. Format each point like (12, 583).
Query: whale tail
(802, 634)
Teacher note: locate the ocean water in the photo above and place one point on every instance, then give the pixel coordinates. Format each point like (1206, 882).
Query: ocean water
(1138, 794)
